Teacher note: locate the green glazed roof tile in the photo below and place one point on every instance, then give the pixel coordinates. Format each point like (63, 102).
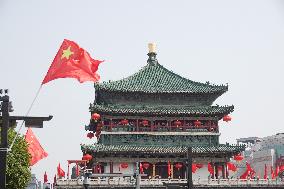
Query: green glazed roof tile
(161, 149)
(161, 110)
(154, 78)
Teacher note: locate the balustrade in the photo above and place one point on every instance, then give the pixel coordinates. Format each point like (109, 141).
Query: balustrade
(161, 128)
(157, 182)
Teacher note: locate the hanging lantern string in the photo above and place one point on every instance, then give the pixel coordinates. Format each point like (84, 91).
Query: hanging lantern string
(27, 113)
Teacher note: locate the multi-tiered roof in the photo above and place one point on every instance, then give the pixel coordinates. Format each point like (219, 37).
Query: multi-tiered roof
(155, 93)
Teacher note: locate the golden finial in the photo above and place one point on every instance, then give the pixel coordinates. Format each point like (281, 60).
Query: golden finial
(152, 47)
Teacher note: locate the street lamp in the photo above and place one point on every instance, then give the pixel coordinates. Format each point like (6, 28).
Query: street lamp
(6, 107)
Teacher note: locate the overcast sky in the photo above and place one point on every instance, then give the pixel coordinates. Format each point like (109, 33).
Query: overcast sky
(236, 42)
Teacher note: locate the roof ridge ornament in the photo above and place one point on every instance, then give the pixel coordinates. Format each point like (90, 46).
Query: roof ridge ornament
(152, 60)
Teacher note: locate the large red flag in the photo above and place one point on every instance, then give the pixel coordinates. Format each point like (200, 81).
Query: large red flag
(35, 149)
(71, 61)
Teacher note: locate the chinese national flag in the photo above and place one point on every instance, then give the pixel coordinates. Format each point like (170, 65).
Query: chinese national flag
(35, 149)
(71, 61)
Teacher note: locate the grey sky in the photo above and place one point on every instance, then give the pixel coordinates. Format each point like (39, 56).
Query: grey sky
(235, 42)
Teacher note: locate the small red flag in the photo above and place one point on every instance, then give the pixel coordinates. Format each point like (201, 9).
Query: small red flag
(272, 173)
(60, 171)
(265, 172)
(71, 61)
(210, 169)
(54, 179)
(194, 168)
(45, 180)
(250, 170)
(276, 171)
(231, 166)
(245, 174)
(35, 149)
(141, 168)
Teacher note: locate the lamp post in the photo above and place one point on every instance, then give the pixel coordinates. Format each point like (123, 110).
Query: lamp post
(6, 107)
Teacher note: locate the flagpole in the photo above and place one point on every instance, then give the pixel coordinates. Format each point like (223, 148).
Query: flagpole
(30, 108)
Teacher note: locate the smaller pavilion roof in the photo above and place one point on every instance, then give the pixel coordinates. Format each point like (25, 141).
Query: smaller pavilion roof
(161, 149)
(162, 110)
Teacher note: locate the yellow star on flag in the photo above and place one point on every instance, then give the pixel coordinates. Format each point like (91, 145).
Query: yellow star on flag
(67, 53)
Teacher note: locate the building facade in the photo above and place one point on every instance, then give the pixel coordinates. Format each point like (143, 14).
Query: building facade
(152, 117)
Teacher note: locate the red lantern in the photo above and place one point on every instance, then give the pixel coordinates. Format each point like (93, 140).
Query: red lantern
(90, 135)
(144, 122)
(124, 122)
(238, 157)
(124, 165)
(87, 157)
(178, 166)
(96, 116)
(146, 165)
(227, 118)
(177, 123)
(197, 123)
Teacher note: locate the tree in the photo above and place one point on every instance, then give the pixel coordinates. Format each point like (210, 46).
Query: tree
(18, 162)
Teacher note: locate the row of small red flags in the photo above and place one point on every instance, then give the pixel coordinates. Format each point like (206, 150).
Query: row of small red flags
(249, 171)
(60, 173)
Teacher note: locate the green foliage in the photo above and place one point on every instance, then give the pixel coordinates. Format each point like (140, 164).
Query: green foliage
(18, 167)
